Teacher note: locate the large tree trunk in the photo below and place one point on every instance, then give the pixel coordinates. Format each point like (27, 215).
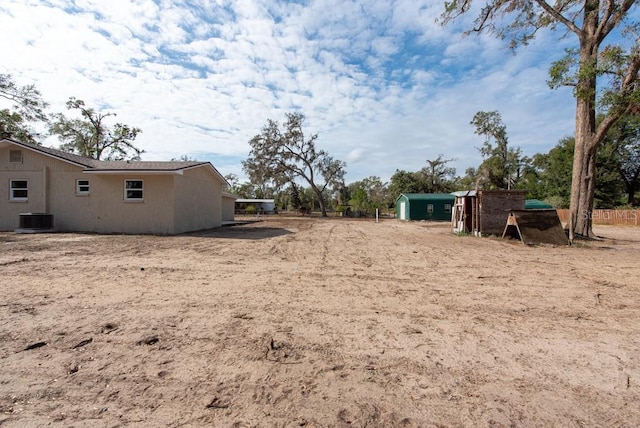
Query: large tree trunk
(583, 175)
(320, 197)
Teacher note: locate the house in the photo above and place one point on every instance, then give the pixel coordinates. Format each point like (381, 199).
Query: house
(87, 195)
(424, 206)
(255, 206)
(484, 212)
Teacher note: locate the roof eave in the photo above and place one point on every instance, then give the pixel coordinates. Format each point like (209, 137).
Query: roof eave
(42, 152)
(132, 172)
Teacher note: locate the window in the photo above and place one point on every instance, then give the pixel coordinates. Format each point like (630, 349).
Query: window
(15, 156)
(447, 208)
(430, 208)
(82, 187)
(133, 190)
(18, 190)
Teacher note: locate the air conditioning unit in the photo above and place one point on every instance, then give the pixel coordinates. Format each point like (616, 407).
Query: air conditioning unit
(35, 222)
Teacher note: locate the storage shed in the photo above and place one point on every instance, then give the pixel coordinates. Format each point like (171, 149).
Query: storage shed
(424, 206)
(485, 212)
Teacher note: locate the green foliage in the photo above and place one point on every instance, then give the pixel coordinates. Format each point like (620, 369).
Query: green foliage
(27, 107)
(233, 181)
(367, 195)
(622, 147)
(89, 136)
(27, 100)
(407, 182)
(501, 168)
(555, 171)
(360, 201)
(440, 177)
(12, 125)
(556, 202)
(246, 190)
(520, 19)
(469, 180)
(295, 196)
(586, 68)
(308, 197)
(611, 65)
(609, 192)
(342, 194)
(562, 71)
(436, 177)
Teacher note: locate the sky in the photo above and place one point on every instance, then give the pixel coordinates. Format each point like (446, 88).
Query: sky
(383, 84)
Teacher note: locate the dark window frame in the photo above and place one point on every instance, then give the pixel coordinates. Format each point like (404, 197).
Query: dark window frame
(17, 192)
(134, 190)
(82, 187)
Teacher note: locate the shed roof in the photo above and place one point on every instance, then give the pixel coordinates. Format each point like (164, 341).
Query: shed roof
(427, 196)
(536, 204)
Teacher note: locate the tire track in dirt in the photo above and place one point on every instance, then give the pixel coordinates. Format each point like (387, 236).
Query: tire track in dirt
(318, 322)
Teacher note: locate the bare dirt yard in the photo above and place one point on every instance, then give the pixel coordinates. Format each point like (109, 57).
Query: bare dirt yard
(319, 323)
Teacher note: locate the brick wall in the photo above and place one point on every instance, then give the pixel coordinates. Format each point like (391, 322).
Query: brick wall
(495, 206)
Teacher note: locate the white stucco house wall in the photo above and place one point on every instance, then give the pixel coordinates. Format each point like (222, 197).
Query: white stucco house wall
(88, 195)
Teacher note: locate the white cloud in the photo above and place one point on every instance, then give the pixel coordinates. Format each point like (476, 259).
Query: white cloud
(383, 84)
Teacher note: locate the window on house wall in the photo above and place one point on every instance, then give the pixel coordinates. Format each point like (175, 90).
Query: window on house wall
(133, 190)
(15, 156)
(447, 208)
(82, 187)
(18, 190)
(429, 208)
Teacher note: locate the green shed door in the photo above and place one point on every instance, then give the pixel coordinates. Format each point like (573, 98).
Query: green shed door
(403, 211)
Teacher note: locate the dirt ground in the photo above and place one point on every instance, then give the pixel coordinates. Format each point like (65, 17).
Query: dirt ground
(319, 323)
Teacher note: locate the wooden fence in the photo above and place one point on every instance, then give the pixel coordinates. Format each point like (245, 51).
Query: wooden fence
(614, 217)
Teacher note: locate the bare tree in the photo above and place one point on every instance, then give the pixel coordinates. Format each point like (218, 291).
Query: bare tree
(27, 106)
(89, 136)
(501, 163)
(439, 174)
(280, 156)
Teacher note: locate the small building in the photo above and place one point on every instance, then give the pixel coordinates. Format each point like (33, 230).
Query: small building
(424, 206)
(80, 194)
(484, 212)
(228, 207)
(255, 206)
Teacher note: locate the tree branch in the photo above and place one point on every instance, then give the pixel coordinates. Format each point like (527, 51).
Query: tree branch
(558, 16)
(608, 24)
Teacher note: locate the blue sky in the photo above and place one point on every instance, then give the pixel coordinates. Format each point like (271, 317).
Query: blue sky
(383, 84)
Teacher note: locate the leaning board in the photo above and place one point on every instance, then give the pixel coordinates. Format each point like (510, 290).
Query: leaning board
(535, 227)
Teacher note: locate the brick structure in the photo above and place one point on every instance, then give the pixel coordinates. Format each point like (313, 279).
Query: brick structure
(495, 206)
(485, 212)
